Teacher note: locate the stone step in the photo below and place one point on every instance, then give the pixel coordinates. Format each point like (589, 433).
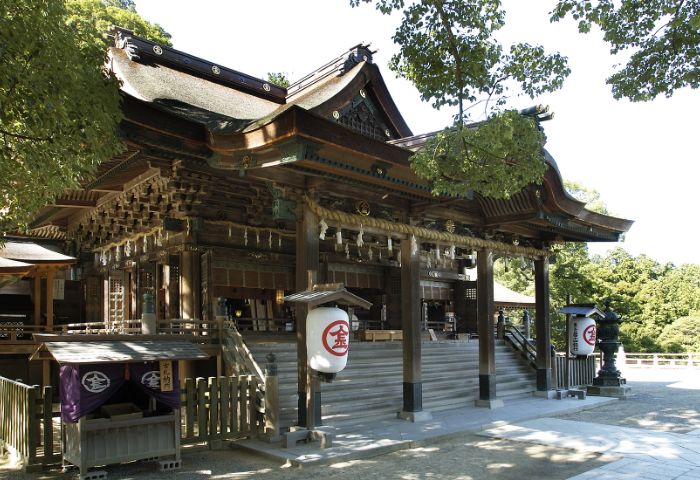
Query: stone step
(370, 388)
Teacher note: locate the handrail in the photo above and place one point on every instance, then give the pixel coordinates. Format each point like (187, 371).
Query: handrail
(526, 347)
(238, 353)
(689, 359)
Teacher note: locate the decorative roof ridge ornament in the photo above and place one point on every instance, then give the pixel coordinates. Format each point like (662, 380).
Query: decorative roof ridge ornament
(145, 51)
(339, 65)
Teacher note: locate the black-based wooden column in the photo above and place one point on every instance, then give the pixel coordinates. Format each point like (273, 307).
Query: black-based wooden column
(307, 265)
(543, 325)
(410, 324)
(485, 328)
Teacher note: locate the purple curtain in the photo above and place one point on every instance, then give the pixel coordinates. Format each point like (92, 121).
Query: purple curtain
(147, 377)
(86, 387)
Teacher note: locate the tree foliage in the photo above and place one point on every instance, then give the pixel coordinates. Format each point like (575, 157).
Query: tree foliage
(278, 78)
(662, 37)
(59, 110)
(447, 49)
(683, 335)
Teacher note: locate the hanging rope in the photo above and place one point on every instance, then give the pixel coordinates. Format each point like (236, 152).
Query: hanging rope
(423, 233)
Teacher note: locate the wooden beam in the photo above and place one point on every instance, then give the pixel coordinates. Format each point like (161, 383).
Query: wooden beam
(543, 325)
(307, 266)
(49, 299)
(73, 203)
(37, 298)
(411, 326)
(485, 327)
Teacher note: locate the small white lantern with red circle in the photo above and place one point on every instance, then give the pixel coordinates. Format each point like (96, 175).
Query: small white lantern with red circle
(327, 339)
(582, 335)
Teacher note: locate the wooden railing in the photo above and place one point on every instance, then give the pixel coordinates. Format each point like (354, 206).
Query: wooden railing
(262, 324)
(221, 408)
(237, 354)
(19, 333)
(582, 371)
(26, 422)
(525, 346)
(663, 360)
(204, 331)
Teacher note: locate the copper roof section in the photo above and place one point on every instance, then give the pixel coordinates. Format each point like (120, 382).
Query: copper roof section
(105, 351)
(328, 293)
(33, 253)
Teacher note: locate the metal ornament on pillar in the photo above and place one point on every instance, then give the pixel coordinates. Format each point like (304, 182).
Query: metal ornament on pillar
(327, 339)
(148, 317)
(582, 335)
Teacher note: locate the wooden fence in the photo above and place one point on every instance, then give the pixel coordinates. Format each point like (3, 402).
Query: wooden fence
(221, 408)
(662, 360)
(582, 370)
(26, 422)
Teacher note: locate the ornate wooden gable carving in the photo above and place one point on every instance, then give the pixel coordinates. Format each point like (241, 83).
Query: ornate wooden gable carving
(363, 116)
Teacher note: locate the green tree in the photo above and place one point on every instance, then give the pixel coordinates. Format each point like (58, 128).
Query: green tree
(683, 335)
(59, 111)
(448, 51)
(278, 78)
(662, 38)
(98, 16)
(590, 196)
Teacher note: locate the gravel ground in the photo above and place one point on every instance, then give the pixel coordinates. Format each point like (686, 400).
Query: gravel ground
(465, 457)
(669, 402)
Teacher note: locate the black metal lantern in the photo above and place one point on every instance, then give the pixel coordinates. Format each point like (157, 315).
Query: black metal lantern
(608, 342)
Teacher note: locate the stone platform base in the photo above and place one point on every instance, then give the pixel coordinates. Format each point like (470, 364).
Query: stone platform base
(619, 392)
(415, 417)
(490, 404)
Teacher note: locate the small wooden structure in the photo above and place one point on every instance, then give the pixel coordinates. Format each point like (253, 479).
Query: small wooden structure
(93, 373)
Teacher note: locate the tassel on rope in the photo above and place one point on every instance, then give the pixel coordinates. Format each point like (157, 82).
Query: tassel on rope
(245, 236)
(389, 245)
(339, 236)
(269, 240)
(347, 250)
(414, 245)
(257, 238)
(324, 226)
(360, 240)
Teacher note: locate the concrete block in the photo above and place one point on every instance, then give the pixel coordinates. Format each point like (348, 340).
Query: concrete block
(95, 475)
(167, 465)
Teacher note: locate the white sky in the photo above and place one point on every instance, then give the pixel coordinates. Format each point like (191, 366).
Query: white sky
(642, 158)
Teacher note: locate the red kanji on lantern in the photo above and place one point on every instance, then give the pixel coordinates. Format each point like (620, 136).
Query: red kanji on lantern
(337, 332)
(589, 335)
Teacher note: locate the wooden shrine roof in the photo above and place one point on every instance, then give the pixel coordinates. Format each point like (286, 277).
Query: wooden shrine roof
(338, 124)
(107, 351)
(31, 252)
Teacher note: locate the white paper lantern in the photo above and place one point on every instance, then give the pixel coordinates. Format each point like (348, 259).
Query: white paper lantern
(582, 336)
(327, 339)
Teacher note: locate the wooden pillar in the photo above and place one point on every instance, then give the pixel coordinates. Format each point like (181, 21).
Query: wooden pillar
(189, 284)
(542, 325)
(485, 328)
(410, 324)
(49, 299)
(307, 266)
(37, 299)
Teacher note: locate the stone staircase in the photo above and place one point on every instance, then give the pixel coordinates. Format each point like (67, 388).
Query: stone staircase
(370, 387)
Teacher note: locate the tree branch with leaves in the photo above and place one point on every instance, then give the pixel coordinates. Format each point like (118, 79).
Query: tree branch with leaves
(448, 50)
